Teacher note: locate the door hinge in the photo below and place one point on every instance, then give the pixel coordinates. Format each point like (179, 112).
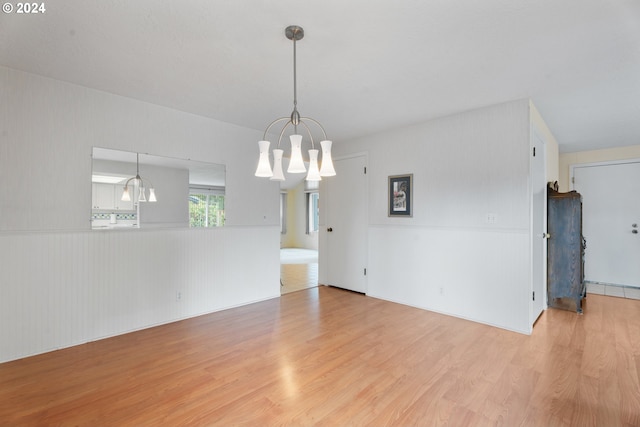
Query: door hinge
(534, 295)
(365, 271)
(534, 151)
(365, 170)
(573, 179)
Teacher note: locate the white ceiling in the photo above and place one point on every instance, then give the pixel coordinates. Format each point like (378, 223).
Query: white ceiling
(364, 66)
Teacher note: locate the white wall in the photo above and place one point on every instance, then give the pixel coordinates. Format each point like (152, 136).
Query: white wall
(61, 283)
(447, 258)
(551, 149)
(290, 238)
(49, 128)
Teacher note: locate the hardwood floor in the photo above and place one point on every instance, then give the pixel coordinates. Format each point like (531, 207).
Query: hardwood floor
(325, 356)
(294, 277)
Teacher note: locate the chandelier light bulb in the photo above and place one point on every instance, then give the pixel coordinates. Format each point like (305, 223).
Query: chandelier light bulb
(278, 174)
(264, 167)
(297, 164)
(327, 168)
(141, 196)
(126, 197)
(314, 173)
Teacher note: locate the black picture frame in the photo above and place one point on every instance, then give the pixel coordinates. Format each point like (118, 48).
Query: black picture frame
(400, 202)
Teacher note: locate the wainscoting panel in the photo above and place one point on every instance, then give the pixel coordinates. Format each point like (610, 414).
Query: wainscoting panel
(59, 289)
(43, 289)
(476, 274)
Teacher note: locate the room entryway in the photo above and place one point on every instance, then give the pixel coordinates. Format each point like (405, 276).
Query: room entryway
(298, 269)
(299, 226)
(611, 221)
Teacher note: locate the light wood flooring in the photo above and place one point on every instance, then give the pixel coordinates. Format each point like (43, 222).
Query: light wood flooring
(294, 277)
(298, 269)
(325, 356)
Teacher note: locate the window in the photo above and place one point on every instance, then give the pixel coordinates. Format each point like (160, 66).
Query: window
(283, 213)
(206, 207)
(313, 213)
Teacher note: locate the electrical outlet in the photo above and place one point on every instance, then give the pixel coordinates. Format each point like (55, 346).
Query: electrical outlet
(178, 296)
(491, 218)
(441, 290)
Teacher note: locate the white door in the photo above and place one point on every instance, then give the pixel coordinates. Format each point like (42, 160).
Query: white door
(345, 225)
(539, 227)
(610, 221)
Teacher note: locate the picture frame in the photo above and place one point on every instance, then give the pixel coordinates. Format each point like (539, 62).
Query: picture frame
(400, 191)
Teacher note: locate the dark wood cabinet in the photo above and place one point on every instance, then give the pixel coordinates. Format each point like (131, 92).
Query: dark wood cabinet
(565, 250)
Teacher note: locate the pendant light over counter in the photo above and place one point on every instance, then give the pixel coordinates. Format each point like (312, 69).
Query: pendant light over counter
(139, 186)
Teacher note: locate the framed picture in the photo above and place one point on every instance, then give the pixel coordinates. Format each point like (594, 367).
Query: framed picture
(401, 195)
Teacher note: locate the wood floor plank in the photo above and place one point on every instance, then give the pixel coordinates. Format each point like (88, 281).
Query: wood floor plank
(324, 356)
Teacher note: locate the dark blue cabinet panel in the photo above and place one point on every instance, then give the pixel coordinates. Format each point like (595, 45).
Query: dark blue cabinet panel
(565, 249)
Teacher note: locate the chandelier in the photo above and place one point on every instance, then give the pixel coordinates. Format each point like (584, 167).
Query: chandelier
(296, 164)
(139, 186)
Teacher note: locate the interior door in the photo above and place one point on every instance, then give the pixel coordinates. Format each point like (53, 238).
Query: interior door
(539, 226)
(611, 221)
(346, 225)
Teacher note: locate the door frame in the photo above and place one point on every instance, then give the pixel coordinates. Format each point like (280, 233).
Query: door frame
(573, 166)
(538, 260)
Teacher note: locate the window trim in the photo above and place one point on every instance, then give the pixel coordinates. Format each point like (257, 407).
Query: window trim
(309, 197)
(207, 191)
(283, 212)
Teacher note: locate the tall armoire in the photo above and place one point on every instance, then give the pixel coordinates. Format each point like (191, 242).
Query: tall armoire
(565, 249)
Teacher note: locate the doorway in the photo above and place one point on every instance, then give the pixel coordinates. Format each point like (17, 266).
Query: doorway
(611, 222)
(298, 269)
(299, 213)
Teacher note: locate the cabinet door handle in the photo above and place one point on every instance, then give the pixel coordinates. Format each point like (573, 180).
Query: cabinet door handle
(546, 235)
(329, 229)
